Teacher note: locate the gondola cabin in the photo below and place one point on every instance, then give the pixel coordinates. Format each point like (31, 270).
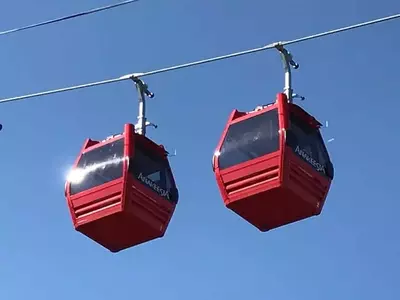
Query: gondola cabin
(272, 166)
(121, 191)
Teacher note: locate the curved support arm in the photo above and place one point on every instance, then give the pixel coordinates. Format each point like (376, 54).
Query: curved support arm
(288, 62)
(143, 91)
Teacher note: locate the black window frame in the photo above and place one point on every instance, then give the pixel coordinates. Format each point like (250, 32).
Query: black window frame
(104, 174)
(311, 143)
(142, 158)
(261, 131)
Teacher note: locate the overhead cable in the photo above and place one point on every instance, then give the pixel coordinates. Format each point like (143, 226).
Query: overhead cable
(204, 61)
(80, 14)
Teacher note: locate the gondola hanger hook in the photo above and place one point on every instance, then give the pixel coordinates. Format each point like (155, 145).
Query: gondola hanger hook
(143, 91)
(288, 63)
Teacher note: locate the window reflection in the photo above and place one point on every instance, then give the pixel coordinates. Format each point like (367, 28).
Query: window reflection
(249, 139)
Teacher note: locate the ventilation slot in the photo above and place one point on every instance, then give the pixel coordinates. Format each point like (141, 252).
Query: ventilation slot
(98, 204)
(252, 180)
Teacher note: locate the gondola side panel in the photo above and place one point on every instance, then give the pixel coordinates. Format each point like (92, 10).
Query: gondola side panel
(152, 211)
(307, 185)
(96, 201)
(250, 173)
(251, 178)
(88, 143)
(257, 168)
(148, 211)
(304, 181)
(104, 195)
(291, 208)
(221, 187)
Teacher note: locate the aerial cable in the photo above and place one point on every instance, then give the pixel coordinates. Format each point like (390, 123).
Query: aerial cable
(204, 61)
(80, 14)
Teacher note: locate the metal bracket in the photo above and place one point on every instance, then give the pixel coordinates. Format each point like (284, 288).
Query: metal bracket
(288, 62)
(143, 91)
(172, 155)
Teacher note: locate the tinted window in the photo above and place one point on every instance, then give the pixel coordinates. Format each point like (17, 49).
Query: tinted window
(154, 172)
(308, 144)
(98, 166)
(249, 139)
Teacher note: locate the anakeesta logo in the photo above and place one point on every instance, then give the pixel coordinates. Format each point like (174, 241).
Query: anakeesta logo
(154, 186)
(303, 153)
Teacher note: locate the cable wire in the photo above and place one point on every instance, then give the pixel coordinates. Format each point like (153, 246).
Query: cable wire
(204, 61)
(80, 14)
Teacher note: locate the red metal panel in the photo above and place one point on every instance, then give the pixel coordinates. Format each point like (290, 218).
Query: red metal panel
(248, 188)
(251, 177)
(300, 178)
(154, 211)
(98, 202)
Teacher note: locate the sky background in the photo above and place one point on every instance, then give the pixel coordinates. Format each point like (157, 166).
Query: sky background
(351, 251)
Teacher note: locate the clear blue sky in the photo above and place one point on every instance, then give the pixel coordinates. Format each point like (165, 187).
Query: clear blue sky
(351, 251)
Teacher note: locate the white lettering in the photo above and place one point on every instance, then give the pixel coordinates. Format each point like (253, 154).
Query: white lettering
(154, 186)
(308, 158)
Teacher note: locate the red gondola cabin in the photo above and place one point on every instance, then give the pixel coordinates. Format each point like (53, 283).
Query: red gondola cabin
(121, 191)
(272, 166)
